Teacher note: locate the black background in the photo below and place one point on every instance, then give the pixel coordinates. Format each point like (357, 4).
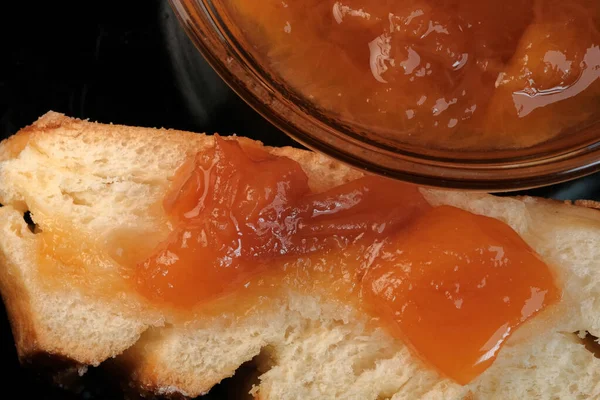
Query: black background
(125, 62)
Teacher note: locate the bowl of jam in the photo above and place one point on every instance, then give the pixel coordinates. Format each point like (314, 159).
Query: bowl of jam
(464, 94)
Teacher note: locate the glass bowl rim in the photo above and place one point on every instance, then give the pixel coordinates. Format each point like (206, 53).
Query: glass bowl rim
(290, 113)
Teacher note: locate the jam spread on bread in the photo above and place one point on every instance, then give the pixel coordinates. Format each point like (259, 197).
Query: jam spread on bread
(456, 285)
(239, 210)
(457, 74)
(453, 285)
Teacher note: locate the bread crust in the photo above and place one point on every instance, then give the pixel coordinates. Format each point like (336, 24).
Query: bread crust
(146, 369)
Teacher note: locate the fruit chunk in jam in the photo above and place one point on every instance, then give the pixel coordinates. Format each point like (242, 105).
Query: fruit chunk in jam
(237, 210)
(451, 74)
(455, 285)
(553, 79)
(451, 284)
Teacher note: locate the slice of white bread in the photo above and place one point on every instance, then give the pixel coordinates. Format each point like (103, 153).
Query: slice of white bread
(98, 179)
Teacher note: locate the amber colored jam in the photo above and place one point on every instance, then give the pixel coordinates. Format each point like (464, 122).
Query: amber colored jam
(238, 210)
(456, 285)
(458, 74)
(451, 284)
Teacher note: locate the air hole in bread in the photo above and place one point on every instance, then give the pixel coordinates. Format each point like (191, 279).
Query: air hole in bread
(591, 343)
(29, 221)
(241, 383)
(367, 361)
(265, 360)
(79, 199)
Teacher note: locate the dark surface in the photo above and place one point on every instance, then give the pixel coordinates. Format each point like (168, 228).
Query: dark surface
(124, 62)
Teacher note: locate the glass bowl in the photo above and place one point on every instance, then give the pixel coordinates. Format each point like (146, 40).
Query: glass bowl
(212, 31)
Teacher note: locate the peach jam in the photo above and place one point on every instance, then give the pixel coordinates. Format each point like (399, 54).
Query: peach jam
(454, 74)
(451, 284)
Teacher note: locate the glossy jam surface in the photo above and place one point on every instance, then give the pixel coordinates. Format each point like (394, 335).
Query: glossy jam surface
(452, 284)
(456, 285)
(240, 210)
(457, 74)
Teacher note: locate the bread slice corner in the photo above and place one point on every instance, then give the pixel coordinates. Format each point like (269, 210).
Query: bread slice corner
(103, 178)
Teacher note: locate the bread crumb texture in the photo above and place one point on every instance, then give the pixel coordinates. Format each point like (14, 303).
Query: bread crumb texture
(98, 179)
